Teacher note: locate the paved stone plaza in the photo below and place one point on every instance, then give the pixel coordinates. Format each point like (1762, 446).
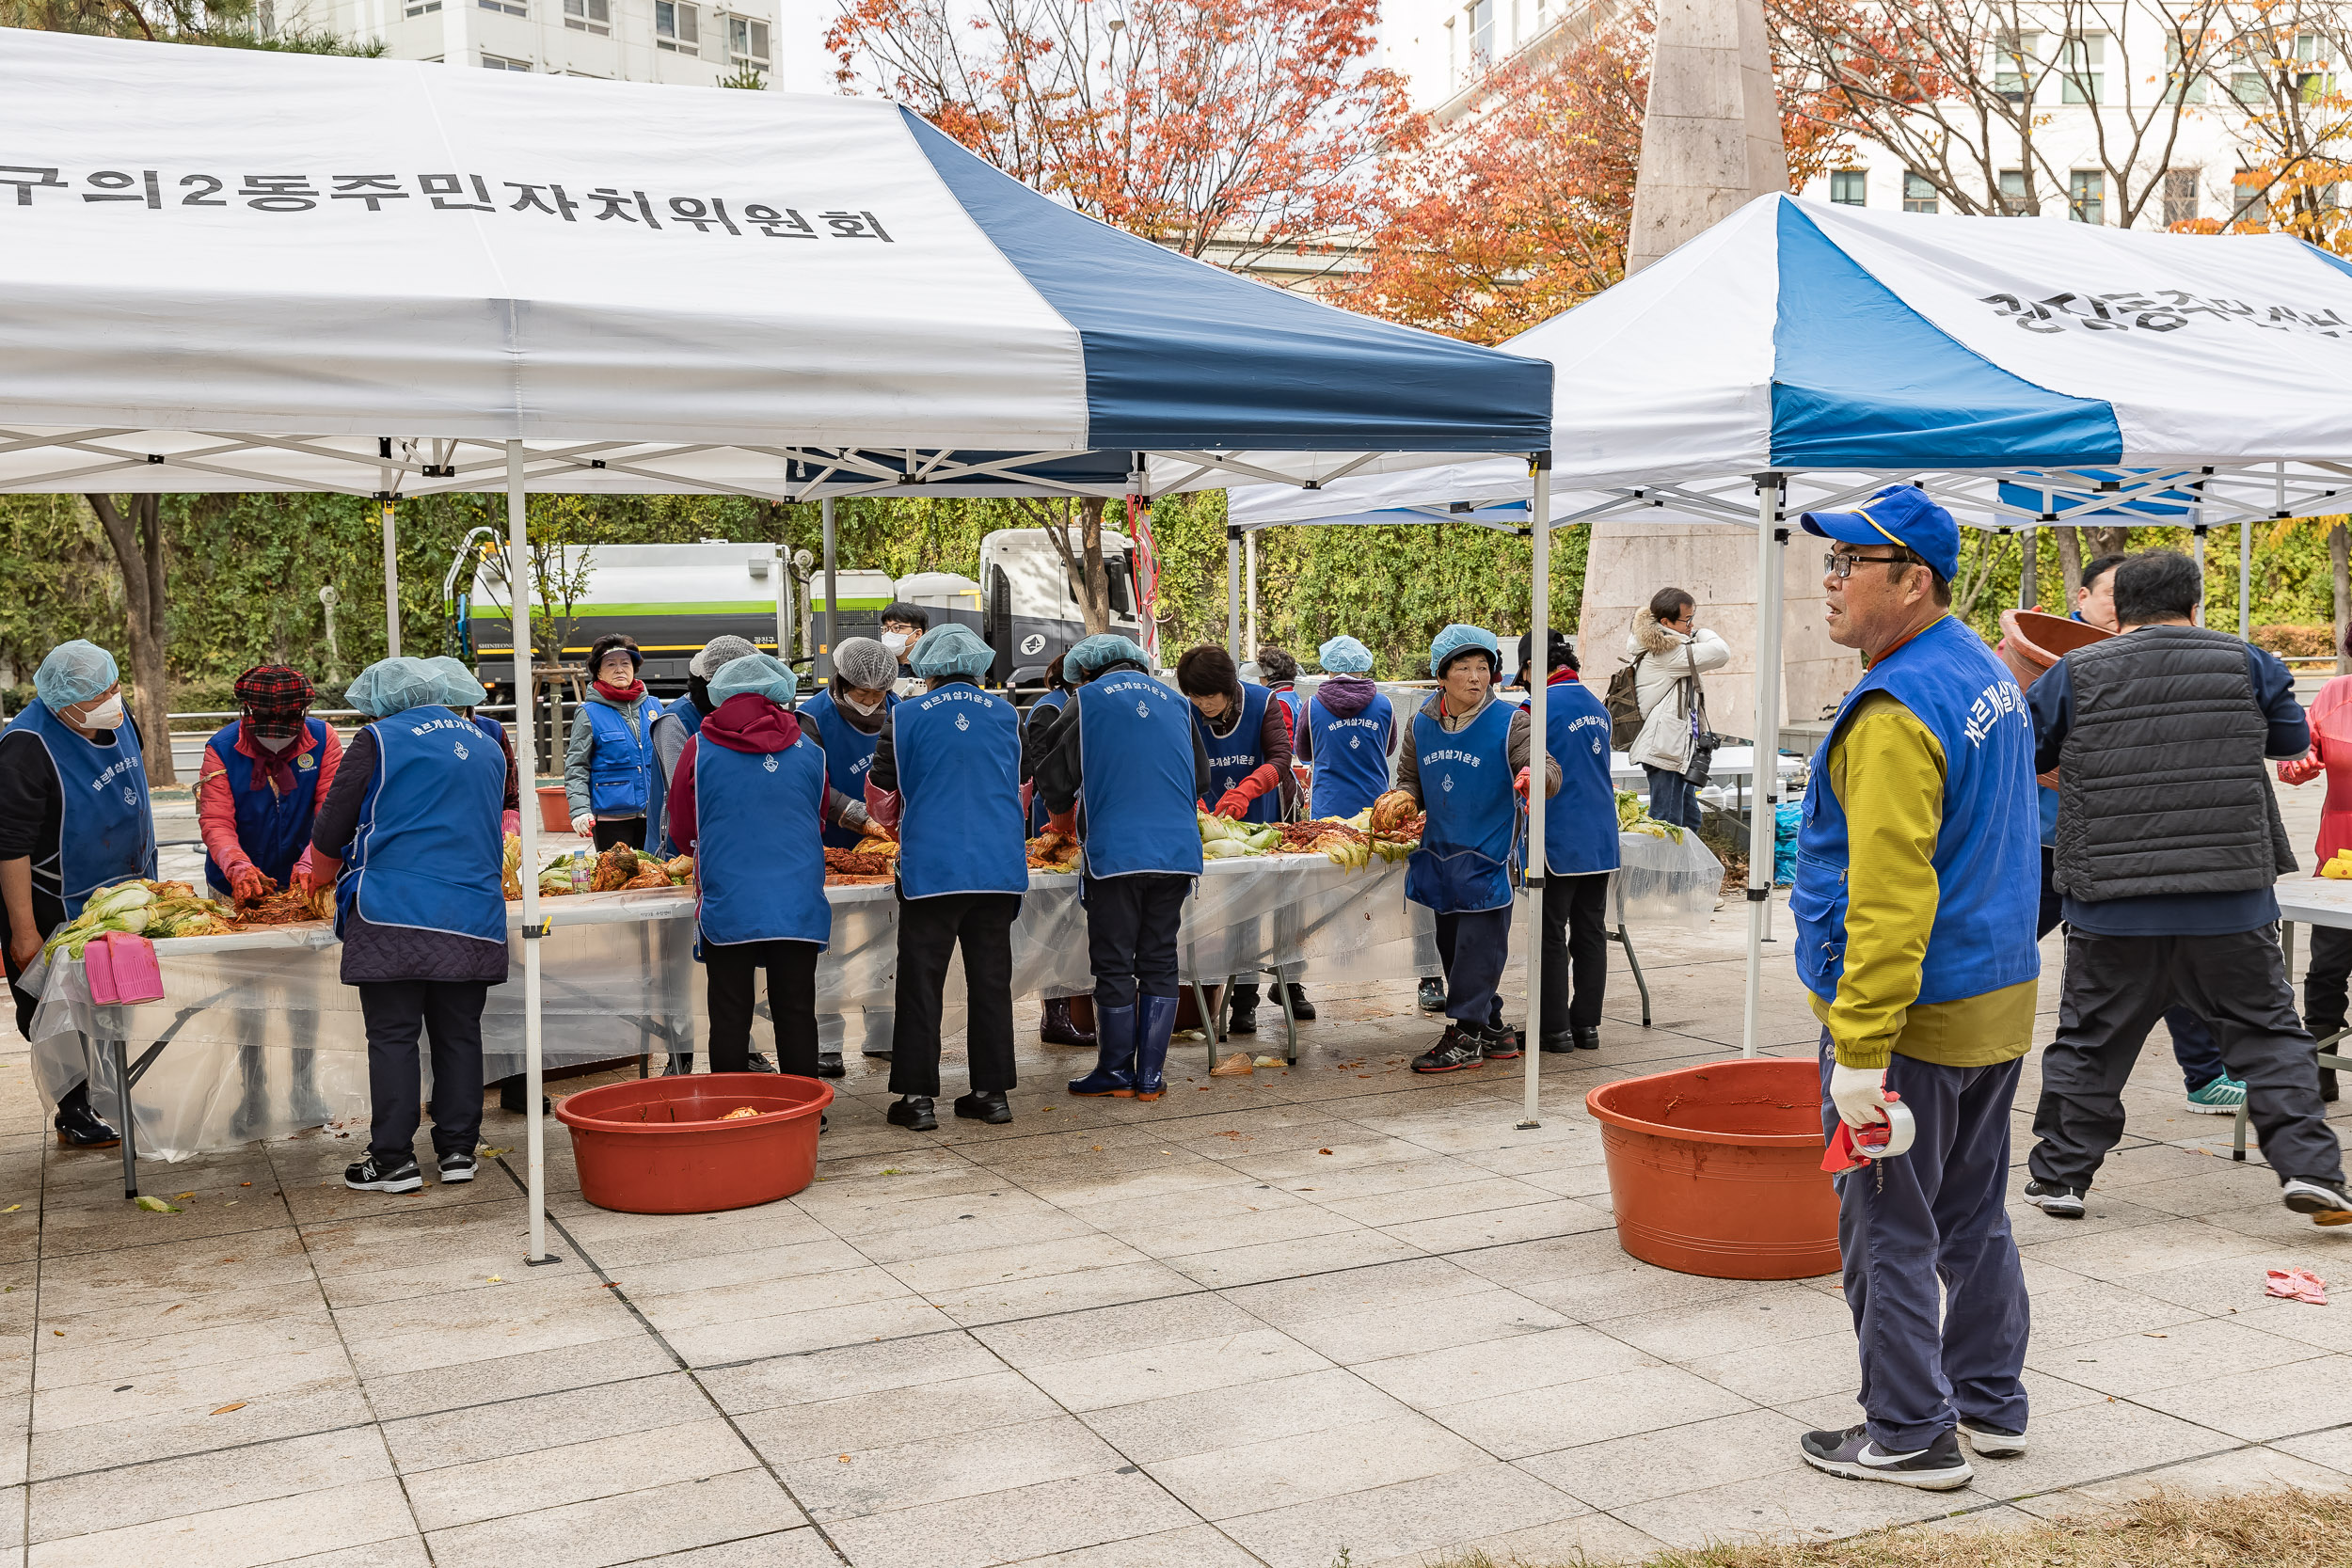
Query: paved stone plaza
(1264, 1321)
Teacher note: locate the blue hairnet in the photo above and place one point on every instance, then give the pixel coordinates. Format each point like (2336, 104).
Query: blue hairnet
(394, 686)
(1344, 656)
(953, 649)
(1458, 639)
(73, 672)
(761, 674)
(1100, 652)
(458, 688)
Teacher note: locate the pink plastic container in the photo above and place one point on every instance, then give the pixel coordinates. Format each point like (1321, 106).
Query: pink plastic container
(658, 1146)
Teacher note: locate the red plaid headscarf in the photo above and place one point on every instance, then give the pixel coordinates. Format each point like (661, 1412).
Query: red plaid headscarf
(273, 697)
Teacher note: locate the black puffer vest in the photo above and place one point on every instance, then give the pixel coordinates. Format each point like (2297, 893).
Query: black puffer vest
(2161, 784)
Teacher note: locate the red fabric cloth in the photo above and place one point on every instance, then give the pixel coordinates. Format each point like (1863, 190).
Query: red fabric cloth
(2331, 747)
(629, 693)
(1562, 677)
(216, 809)
(745, 723)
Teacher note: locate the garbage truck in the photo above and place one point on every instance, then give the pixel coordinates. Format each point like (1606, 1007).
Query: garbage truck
(1030, 608)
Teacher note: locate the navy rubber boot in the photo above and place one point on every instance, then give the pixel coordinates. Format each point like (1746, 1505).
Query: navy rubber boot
(1115, 1054)
(1155, 1025)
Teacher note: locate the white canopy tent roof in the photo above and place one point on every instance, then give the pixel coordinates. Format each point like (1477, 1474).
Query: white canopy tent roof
(229, 270)
(1799, 356)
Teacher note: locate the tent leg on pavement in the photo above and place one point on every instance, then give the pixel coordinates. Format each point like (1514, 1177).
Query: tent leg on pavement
(1771, 542)
(527, 822)
(1538, 676)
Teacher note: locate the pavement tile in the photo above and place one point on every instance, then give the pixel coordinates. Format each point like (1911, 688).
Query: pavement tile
(1614, 1404)
(1073, 1336)
(845, 1372)
(449, 1495)
(100, 1500)
(891, 1415)
(553, 1420)
(1255, 1477)
(902, 1475)
(1156, 1372)
(1152, 1431)
(1456, 1374)
(1687, 1458)
(788, 1548)
(1384, 1523)
(2189, 1353)
(516, 1376)
(1051, 1295)
(244, 1534)
(1056, 1521)
(2270, 1401)
(625, 1527)
(1795, 1505)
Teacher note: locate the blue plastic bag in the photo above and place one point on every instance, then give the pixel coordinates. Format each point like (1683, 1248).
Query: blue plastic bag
(1786, 821)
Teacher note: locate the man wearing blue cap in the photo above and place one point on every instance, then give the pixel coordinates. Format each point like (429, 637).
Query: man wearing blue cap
(1915, 904)
(946, 774)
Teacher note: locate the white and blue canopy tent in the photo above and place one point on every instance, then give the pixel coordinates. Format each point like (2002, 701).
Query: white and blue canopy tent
(1798, 357)
(235, 271)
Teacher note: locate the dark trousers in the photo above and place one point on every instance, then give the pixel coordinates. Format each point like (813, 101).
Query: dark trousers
(1474, 948)
(1131, 935)
(2324, 982)
(628, 830)
(928, 930)
(2194, 1050)
(731, 972)
(2116, 989)
(1671, 799)
(1929, 1221)
(449, 1013)
(1576, 942)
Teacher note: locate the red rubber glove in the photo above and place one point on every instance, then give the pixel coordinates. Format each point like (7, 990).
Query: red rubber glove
(2303, 770)
(1064, 822)
(324, 870)
(1520, 783)
(248, 885)
(1233, 803)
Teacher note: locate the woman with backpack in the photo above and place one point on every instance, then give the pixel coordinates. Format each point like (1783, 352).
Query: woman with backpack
(1669, 651)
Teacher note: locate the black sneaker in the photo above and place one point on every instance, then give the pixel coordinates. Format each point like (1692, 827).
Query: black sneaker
(1587, 1039)
(1499, 1045)
(913, 1111)
(456, 1167)
(2322, 1200)
(373, 1176)
(1938, 1467)
(987, 1105)
(1991, 1441)
(1555, 1044)
(1432, 995)
(2059, 1203)
(1457, 1049)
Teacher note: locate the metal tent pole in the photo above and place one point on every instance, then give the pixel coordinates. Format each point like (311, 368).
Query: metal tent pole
(2029, 569)
(526, 720)
(1537, 673)
(392, 584)
(2246, 581)
(783, 605)
(1232, 592)
(1763, 825)
(1250, 576)
(825, 638)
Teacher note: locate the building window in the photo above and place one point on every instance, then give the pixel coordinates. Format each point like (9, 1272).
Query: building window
(511, 7)
(1919, 194)
(1453, 56)
(2087, 196)
(2250, 197)
(2016, 195)
(417, 9)
(266, 19)
(499, 62)
(2182, 85)
(1483, 33)
(1846, 187)
(589, 16)
(2180, 195)
(2082, 80)
(747, 41)
(2016, 63)
(676, 26)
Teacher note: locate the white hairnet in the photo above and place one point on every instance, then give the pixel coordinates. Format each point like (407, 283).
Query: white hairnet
(953, 649)
(458, 688)
(1100, 652)
(718, 653)
(73, 672)
(763, 674)
(394, 686)
(1457, 639)
(864, 664)
(1344, 656)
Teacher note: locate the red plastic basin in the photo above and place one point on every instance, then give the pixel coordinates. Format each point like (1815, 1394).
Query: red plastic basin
(656, 1145)
(1717, 1170)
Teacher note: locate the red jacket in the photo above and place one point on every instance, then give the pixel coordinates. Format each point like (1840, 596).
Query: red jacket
(217, 810)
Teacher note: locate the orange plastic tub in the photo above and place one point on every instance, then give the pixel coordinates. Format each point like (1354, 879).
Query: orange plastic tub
(1717, 1169)
(658, 1146)
(555, 809)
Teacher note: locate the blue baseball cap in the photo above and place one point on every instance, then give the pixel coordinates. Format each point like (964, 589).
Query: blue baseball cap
(1899, 515)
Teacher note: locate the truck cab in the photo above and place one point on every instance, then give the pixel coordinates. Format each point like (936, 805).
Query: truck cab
(1029, 605)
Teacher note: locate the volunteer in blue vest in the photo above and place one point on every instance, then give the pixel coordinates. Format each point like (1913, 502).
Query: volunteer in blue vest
(748, 805)
(1466, 762)
(1278, 669)
(946, 776)
(257, 794)
(1246, 738)
(74, 817)
(611, 776)
(1347, 734)
(1122, 769)
(1915, 911)
(846, 719)
(684, 715)
(408, 838)
(1580, 852)
(461, 691)
(1059, 1023)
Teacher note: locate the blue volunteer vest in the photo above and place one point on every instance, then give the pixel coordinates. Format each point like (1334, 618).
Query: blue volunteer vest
(959, 755)
(688, 714)
(1351, 756)
(1471, 837)
(104, 830)
(427, 850)
(848, 755)
(760, 866)
(272, 828)
(1042, 711)
(1135, 778)
(1580, 822)
(1235, 757)
(624, 774)
(1986, 862)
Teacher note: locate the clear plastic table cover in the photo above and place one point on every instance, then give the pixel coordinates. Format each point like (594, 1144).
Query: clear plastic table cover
(264, 1039)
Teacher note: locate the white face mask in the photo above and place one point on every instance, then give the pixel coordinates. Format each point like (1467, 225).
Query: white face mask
(868, 710)
(274, 743)
(894, 640)
(106, 716)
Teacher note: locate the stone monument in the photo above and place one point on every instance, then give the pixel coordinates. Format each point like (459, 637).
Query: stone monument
(1710, 143)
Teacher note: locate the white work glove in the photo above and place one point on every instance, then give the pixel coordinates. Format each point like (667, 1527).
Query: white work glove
(1859, 1093)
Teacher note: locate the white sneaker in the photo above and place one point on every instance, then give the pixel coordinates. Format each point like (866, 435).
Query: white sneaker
(1991, 1441)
